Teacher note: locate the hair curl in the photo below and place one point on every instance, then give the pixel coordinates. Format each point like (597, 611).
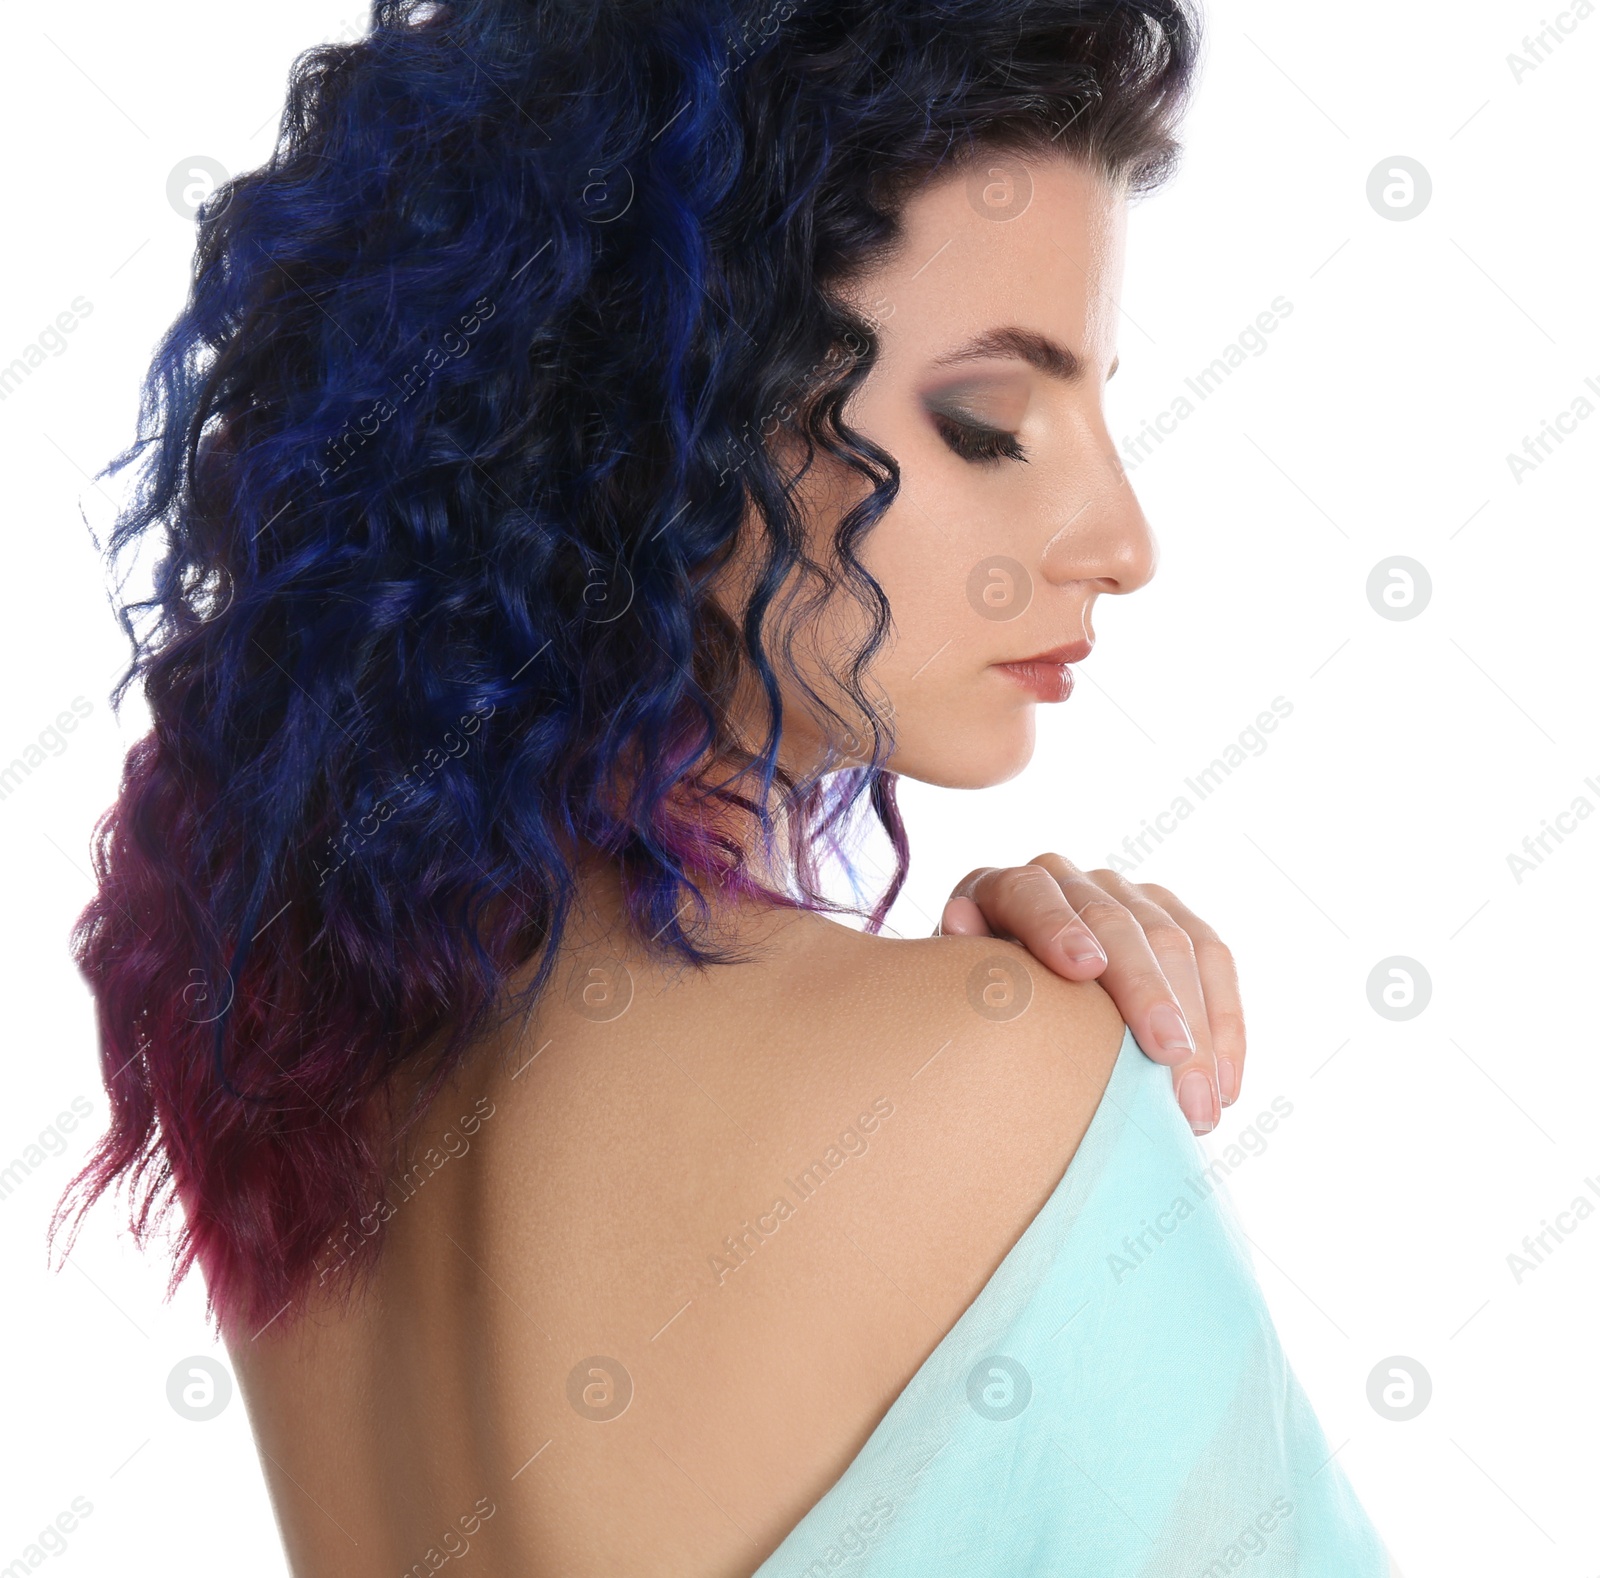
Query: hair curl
(466, 405)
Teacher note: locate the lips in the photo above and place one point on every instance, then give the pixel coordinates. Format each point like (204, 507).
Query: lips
(1074, 652)
(1046, 675)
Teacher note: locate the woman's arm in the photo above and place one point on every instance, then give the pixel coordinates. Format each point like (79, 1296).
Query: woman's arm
(1170, 975)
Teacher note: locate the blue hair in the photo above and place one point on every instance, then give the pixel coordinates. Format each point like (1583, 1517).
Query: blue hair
(469, 402)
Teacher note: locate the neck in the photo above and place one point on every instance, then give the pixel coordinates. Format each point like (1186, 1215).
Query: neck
(722, 847)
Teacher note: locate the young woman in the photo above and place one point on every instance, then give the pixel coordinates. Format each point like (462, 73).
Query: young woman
(604, 448)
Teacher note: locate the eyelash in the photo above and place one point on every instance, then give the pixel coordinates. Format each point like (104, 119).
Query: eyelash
(980, 445)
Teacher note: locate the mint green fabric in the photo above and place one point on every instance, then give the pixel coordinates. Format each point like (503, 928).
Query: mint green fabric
(1105, 1407)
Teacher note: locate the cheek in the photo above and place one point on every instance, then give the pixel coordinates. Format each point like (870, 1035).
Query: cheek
(949, 581)
(955, 723)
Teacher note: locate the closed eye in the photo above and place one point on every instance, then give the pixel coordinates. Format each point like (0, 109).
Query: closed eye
(975, 443)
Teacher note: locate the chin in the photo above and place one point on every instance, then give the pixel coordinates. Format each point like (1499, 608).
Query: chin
(979, 755)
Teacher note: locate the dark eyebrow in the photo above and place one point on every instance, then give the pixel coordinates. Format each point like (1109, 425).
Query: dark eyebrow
(1038, 350)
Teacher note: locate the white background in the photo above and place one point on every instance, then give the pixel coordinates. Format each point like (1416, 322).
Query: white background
(1377, 821)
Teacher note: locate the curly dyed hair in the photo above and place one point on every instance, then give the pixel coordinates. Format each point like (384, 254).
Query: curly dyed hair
(466, 406)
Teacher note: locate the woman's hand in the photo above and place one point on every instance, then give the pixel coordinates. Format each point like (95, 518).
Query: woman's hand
(1169, 974)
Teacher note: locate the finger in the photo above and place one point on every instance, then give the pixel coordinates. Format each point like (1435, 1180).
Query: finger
(1153, 979)
(962, 918)
(1026, 903)
(1219, 980)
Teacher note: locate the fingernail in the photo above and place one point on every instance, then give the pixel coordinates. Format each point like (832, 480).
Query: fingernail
(1081, 946)
(1228, 1079)
(1172, 1034)
(1194, 1096)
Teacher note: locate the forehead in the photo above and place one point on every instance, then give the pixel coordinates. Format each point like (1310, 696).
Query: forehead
(1035, 239)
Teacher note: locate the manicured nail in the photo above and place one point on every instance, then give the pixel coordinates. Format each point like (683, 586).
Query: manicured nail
(1194, 1096)
(1172, 1034)
(1081, 946)
(1228, 1079)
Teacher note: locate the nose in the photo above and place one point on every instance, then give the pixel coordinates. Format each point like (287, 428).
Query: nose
(1104, 537)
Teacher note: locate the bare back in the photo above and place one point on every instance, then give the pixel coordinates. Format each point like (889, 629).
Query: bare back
(664, 1257)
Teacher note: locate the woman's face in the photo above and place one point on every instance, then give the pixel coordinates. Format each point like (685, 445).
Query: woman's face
(997, 324)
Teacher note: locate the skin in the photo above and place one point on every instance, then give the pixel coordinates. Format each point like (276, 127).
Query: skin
(598, 1215)
(1002, 457)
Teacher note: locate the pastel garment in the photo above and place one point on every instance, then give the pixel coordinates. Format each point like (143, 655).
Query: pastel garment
(1115, 1402)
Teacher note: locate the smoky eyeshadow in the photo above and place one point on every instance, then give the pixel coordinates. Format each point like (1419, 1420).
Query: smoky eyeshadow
(953, 408)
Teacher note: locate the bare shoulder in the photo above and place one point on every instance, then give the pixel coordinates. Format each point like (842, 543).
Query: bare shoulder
(1031, 1033)
(934, 1090)
(972, 1034)
(994, 1067)
(968, 1068)
(925, 1095)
